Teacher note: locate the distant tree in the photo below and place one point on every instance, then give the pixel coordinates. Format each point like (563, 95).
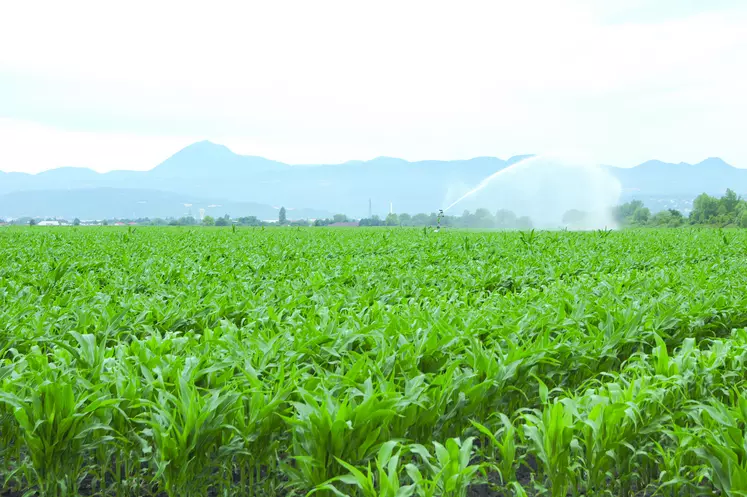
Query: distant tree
(505, 219)
(372, 221)
(677, 219)
(705, 208)
(76, 222)
(419, 219)
(187, 221)
(483, 219)
(724, 211)
(742, 221)
(208, 221)
(641, 215)
(730, 200)
(661, 218)
(249, 221)
(574, 217)
(624, 213)
(223, 221)
(391, 219)
(524, 223)
(158, 221)
(339, 218)
(405, 219)
(32, 222)
(105, 222)
(281, 216)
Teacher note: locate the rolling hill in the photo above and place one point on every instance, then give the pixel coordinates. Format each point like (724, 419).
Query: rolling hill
(207, 173)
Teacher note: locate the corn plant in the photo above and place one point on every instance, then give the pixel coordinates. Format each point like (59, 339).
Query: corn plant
(549, 435)
(385, 481)
(189, 431)
(274, 361)
(55, 424)
(448, 470)
(502, 452)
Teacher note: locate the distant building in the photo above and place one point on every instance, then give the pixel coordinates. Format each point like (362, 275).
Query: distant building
(48, 223)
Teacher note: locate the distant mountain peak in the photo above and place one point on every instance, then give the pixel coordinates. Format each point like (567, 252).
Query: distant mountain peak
(204, 146)
(653, 163)
(206, 159)
(713, 162)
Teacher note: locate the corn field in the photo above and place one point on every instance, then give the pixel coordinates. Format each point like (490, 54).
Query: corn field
(373, 363)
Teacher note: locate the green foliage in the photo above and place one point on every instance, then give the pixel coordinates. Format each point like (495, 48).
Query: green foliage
(208, 221)
(250, 221)
(187, 221)
(391, 220)
(727, 211)
(370, 362)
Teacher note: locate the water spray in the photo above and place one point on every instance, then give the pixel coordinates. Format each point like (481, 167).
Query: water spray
(544, 187)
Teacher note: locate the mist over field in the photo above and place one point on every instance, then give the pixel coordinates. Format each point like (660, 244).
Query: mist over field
(549, 189)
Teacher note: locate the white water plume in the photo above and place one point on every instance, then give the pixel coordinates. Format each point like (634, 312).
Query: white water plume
(553, 191)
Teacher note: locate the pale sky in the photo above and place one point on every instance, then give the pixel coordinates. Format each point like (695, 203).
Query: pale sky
(123, 85)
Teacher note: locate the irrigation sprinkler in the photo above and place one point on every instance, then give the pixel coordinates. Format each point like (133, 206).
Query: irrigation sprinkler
(438, 220)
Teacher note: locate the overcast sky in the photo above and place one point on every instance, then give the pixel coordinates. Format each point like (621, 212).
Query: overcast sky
(123, 85)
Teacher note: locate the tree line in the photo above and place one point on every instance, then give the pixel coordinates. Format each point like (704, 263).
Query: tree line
(729, 210)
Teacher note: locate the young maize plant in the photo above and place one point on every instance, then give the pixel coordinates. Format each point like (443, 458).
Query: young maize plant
(448, 471)
(372, 362)
(384, 482)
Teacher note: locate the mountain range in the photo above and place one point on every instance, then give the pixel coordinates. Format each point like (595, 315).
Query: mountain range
(209, 176)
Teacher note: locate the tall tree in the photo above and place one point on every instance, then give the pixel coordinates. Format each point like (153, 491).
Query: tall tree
(281, 216)
(505, 219)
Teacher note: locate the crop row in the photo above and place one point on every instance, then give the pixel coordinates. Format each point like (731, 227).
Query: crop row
(396, 362)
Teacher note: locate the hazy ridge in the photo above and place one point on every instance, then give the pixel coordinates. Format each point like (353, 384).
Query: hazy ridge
(208, 175)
